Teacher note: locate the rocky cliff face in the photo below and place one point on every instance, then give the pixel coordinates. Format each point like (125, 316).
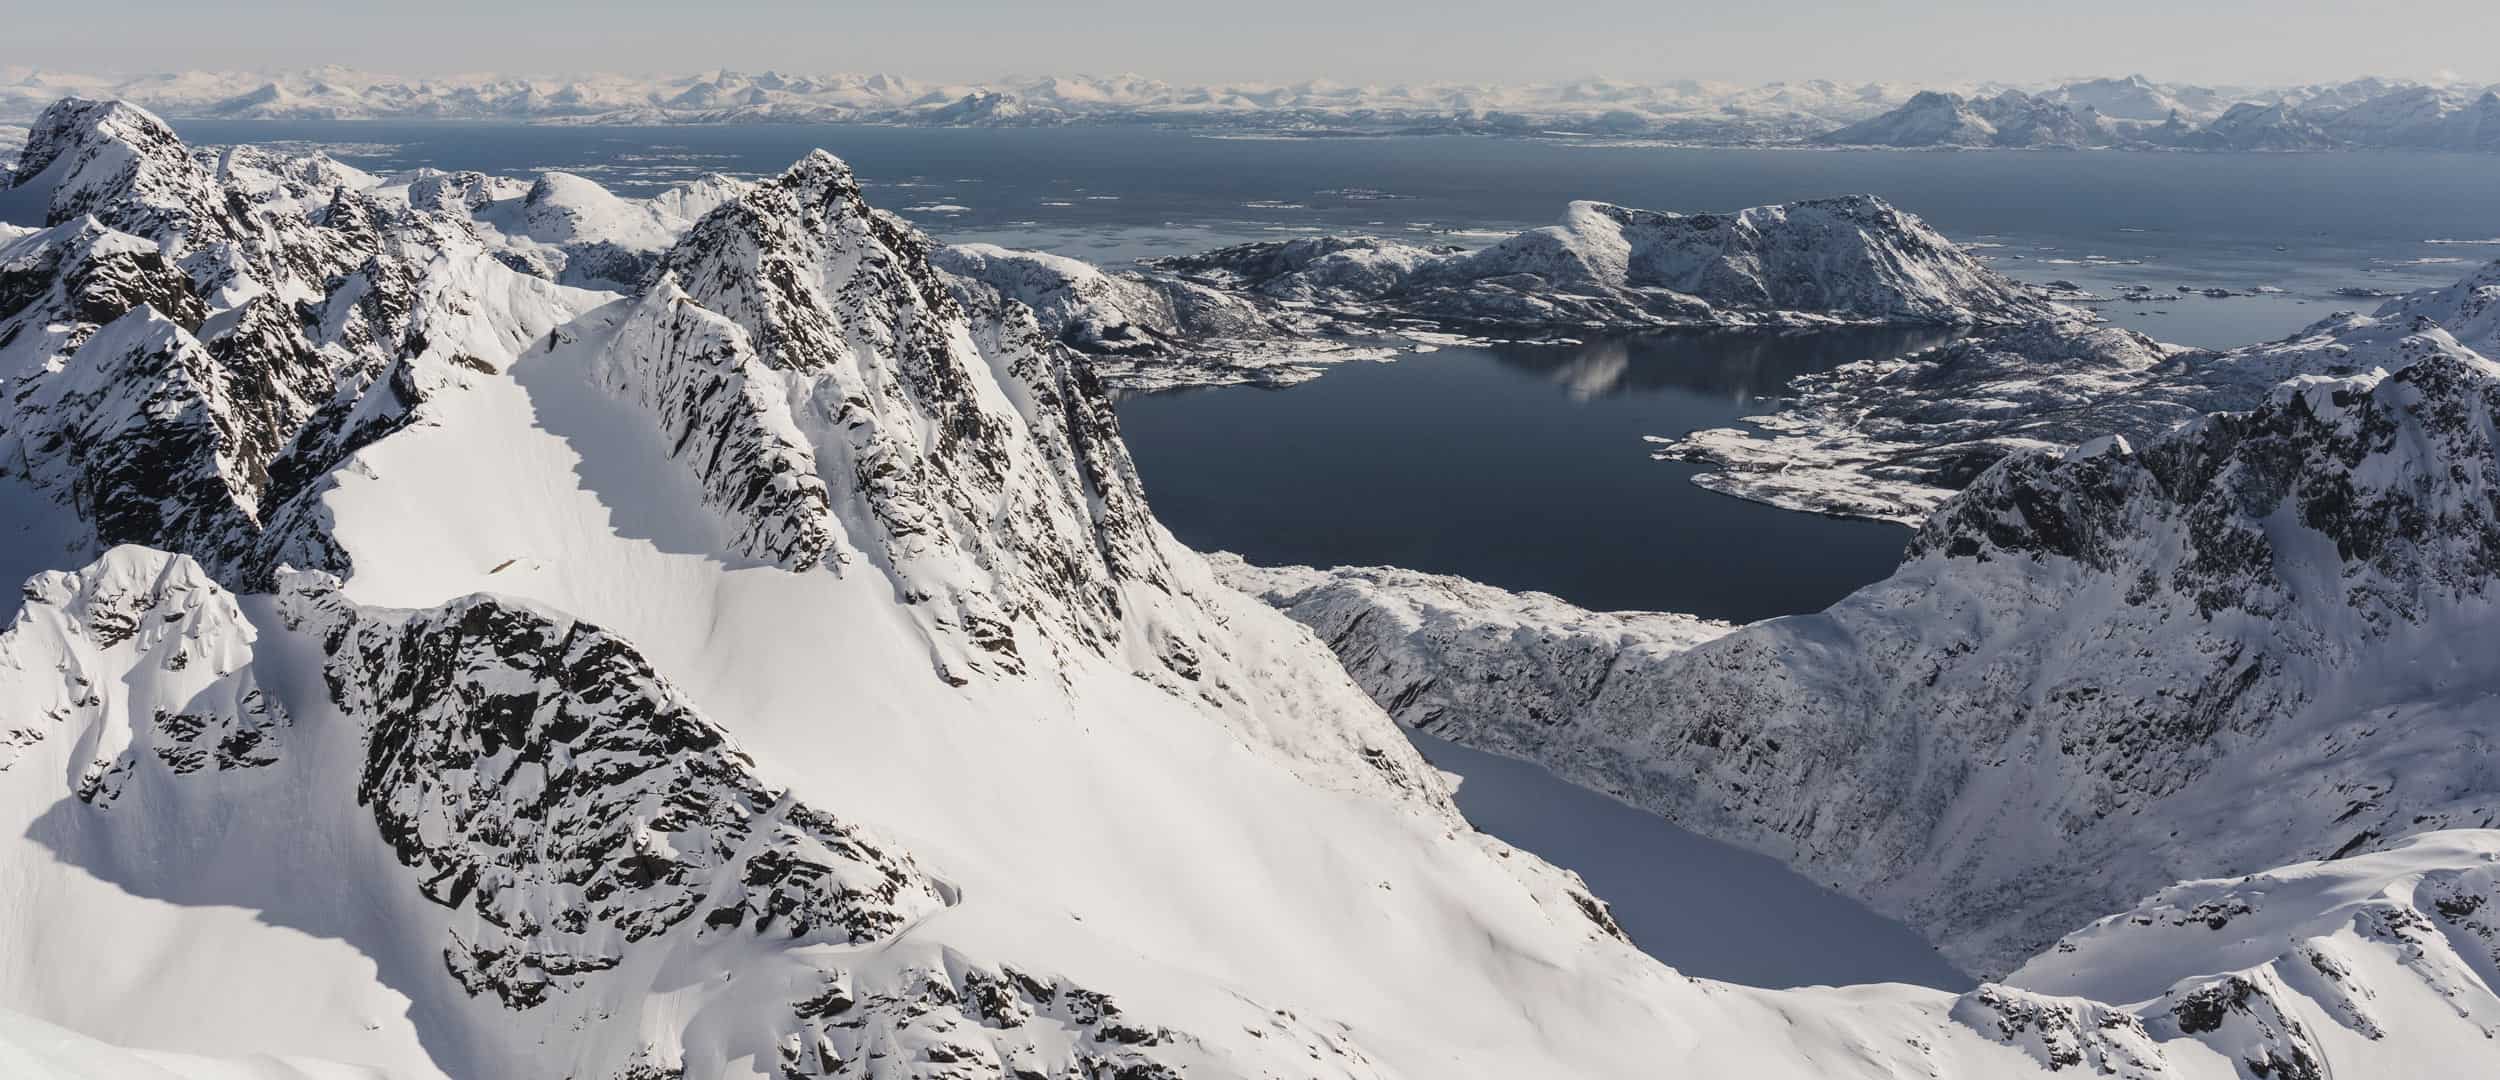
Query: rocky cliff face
(186, 344)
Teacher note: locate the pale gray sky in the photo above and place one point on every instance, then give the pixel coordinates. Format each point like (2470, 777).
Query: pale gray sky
(2229, 41)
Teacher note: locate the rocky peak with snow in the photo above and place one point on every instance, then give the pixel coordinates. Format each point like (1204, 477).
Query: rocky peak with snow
(184, 346)
(974, 466)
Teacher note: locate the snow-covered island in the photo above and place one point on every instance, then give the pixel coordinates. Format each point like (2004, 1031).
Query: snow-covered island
(1893, 439)
(1273, 311)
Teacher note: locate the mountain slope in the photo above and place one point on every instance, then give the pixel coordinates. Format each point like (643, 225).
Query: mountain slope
(774, 673)
(606, 766)
(2242, 644)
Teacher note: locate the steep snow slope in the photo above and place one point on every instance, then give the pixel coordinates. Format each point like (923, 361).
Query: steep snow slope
(2246, 643)
(1893, 439)
(33, 1050)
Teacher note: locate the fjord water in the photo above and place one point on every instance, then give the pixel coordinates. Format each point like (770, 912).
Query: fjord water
(1517, 465)
(1711, 909)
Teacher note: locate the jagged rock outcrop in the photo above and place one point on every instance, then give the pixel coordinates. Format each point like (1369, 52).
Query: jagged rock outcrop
(572, 817)
(2066, 1033)
(185, 344)
(535, 772)
(730, 419)
(857, 414)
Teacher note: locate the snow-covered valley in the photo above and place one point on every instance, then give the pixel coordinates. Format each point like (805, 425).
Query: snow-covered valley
(493, 627)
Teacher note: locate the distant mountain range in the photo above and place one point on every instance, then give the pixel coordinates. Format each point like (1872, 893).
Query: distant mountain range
(2109, 112)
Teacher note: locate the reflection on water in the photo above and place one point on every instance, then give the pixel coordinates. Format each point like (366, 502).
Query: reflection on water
(1518, 465)
(1741, 366)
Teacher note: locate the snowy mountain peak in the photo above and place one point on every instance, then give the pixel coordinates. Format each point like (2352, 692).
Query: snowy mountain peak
(118, 163)
(140, 662)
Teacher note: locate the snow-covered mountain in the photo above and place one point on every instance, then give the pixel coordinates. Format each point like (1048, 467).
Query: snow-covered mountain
(2245, 642)
(1272, 312)
(2008, 119)
(1777, 111)
(2138, 98)
(427, 668)
(2129, 111)
(775, 672)
(1142, 328)
(2372, 114)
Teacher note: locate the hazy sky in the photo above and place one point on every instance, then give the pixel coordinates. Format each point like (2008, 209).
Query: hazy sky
(2248, 41)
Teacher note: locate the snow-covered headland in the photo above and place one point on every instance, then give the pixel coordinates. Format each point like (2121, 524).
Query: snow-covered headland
(1892, 439)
